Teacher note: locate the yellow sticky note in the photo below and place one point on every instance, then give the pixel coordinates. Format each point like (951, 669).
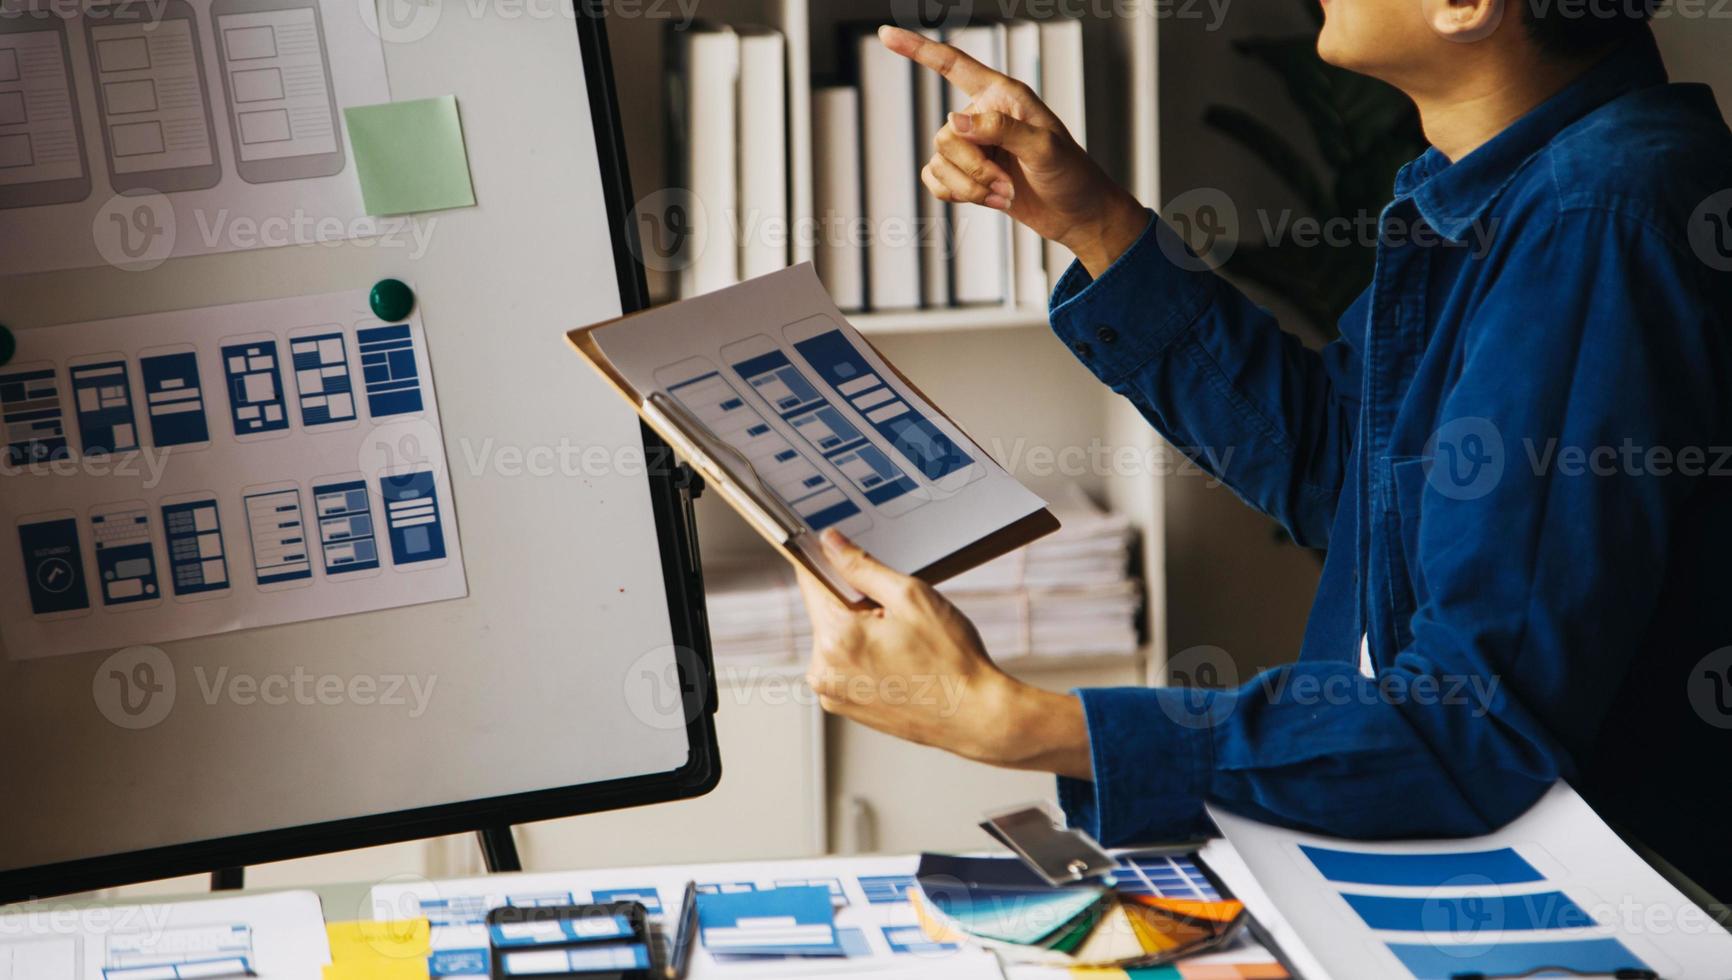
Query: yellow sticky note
(403, 939)
(377, 968)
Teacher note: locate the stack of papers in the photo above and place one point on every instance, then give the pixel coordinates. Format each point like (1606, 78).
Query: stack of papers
(1069, 594)
(1149, 911)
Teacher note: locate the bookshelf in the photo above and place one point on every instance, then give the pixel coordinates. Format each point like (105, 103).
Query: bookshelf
(996, 368)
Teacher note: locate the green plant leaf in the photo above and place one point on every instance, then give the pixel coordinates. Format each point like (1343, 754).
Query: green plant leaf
(1279, 155)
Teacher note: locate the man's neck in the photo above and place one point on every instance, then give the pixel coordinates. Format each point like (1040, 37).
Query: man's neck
(1489, 96)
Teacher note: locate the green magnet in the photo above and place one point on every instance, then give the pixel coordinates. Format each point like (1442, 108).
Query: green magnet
(8, 345)
(392, 300)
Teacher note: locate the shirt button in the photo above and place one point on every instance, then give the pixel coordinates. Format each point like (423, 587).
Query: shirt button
(1083, 350)
(1107, 335)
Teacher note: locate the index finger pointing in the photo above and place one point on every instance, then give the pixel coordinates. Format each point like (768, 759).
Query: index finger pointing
(962, 71)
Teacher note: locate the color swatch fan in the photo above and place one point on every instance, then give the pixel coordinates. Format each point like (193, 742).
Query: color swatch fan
(1122, 918)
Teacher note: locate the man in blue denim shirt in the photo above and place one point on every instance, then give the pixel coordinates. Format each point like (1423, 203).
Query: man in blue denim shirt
(1512, 457)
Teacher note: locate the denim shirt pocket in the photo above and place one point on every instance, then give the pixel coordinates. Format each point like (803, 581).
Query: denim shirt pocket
(1407, 482)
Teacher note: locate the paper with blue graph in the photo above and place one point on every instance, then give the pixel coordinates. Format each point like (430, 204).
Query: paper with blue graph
(1556, 891)
(802, 426)
(184, 474)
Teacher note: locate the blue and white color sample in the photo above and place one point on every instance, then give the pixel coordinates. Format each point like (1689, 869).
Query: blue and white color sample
(1580, 957)
(1502, 866)
(33, 422)
(255, 379)
(412, 517)
(197, 559)
(322, 380)
(174, 399)
(347, 536)
(388, 368)
(279, 534)
(125, 557)
(845, 370)
(53, 566)
(102, 397)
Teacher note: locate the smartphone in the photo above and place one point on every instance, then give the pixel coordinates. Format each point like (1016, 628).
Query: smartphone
(281, 101)
(153, 99)
(609, 941)
(43, 159)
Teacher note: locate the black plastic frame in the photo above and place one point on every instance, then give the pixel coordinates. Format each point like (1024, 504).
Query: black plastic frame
(670, 492)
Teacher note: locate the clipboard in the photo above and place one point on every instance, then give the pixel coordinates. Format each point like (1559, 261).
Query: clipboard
(736, 480)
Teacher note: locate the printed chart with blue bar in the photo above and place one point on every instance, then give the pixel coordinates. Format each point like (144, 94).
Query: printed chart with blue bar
(197, 557)
(102, 398)
(181, 953)
(31, 417)
(278, 530)
(1459, 899)
(174, 399)
(322, 380)
(257, 404)
(392, 379)
(347, 535)
(412, 517)
(54, 566)
(1553, 892)
(125, 556)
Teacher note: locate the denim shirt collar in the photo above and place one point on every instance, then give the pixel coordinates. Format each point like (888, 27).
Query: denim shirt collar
(1452, 196)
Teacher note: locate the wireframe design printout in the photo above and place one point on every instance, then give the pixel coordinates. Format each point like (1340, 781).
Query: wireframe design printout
(201, 496)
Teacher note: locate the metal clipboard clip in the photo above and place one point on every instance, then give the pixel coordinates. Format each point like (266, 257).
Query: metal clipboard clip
(788, 526)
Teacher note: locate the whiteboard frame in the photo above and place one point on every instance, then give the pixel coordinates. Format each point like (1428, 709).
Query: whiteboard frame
(672, 487)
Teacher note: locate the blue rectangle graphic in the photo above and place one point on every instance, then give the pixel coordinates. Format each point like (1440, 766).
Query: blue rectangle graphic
(53, 566)
(255, 379)
(197, 558)
(1498, 867)
(346, 533)
(279, 535)
(102, 397)
(125, 558)
(174, 399)
(389, 372)
(886, 889)
(824, 427)
(1587, 957)
(1470, 913)
(845, 369)
(31, 418)
(412, 516)
(321, 365)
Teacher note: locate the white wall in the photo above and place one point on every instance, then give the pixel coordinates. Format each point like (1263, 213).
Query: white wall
(1699, 49)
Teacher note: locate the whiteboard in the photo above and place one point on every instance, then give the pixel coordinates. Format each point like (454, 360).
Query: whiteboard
(549, 689)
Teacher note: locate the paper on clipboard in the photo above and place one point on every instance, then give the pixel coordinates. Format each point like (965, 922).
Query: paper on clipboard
(802, 426)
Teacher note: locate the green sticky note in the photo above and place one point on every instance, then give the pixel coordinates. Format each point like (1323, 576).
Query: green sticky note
(410, 156)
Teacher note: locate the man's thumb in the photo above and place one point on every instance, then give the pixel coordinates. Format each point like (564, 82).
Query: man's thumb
(880, 583)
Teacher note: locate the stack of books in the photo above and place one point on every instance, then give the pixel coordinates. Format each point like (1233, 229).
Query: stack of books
(728, 120)
(1123, 919)
(883, 243)
(1069, 594)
